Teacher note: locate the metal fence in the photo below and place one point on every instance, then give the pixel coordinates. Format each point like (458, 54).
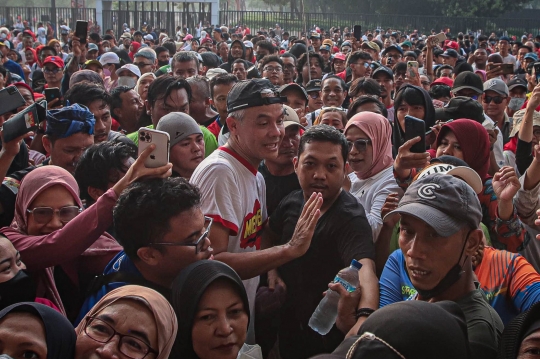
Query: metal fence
(164, 15)
(56, 16)
(296, 23)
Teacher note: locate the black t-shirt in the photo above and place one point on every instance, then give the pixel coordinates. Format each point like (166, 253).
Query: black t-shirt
(277, 187)
(342, 234)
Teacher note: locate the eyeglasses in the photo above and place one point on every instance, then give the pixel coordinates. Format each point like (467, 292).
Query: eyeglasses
(199, 243)
(273, 69)
(141, 64)
(288, 67)
(360, 144)
(128, 345)
(331, 108)
(365, 64)
(425, 83)
(314, 95)
(497, 99)
(44, 215)
(52, 71)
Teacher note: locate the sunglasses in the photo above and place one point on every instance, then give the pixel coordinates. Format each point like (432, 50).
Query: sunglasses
(52, 71)
(43, 215)
(314, 95)
(360, 144)
(497, 99)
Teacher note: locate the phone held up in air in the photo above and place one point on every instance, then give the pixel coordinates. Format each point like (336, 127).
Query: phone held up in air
(412, 69)
(357, 32)
(81, 31)
(537, 71)
(440, 37)
(160, 155)
(52, 93)
(415, 127)
(10, 99)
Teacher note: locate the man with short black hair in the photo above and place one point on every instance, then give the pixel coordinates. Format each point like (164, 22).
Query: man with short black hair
(220, 86)
(360, 64)
(264, 48)
(199, 107)
(289, 67)
(504, 51)
(385, 77)
(126, 108)
(184, 64)
(272, 69)
(239, 69)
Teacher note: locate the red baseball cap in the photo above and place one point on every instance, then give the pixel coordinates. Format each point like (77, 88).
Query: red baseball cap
(443, 80)
(451, 45)
(340, 56)
(55, 60)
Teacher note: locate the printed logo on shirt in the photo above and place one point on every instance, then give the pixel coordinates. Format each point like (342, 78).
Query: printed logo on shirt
(12, 184)
(252, 225)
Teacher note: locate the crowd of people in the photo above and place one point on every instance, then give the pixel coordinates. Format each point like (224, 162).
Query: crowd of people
(288, 158)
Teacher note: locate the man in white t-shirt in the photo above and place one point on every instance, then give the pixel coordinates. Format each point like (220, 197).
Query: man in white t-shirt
(233, 192)
(504, 51)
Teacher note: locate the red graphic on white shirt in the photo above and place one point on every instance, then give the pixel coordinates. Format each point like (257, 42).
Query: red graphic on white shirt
(251, 227)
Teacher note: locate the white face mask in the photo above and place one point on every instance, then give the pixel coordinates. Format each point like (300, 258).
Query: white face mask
(516, 103)
(3, 35)
(107, 49)
(127, 81)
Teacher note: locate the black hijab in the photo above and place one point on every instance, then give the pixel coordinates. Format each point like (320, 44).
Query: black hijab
(415, 329)
(59, 333)
(187, 290)
(398, 135)
(517, 330)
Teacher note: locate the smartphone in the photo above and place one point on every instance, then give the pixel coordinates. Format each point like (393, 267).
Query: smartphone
(357, 31)
(25, 121)
(10, 99)
(52, 93)
(440, 37)
(412, 69)
(160, 155)
(507, 69)
(415, 127)
(81, 31)
(537, 71)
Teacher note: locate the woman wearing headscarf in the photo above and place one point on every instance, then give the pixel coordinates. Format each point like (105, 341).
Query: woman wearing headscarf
(32, 330)
(143, 83)
(370, 158)
(133, 48)
(521, 338)
(143, 319)
(212, 308)
(62, 245)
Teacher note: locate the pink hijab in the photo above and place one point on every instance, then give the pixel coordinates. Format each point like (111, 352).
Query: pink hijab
(34, 184)
(379, 131)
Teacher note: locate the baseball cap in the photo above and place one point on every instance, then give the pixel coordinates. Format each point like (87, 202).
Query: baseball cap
(188, 37)
(346, 43)
(496, 85)
(126, 35)
(211, 73)
(450, 53)
(148, 37)
(465, 173)
(326, 47)
(252, 93)
(5, 43)
(531, 55)
(517, 82)
(294, 86)
(290, 117)
(410, 53)
(315, 35)
(518, 119)
(393, 47)
(504, 38)
(451, 45)
(55, 60)
(461, 107)
(64, 29)
(217, 29)
(178, 125)
(130, 67)
(92, 62)
(443, 81)
(372, 45)
(92, 47)
(340, 56)
(248, 44)
(383, 70)
(468, 80)
(406, 43)
(442, 201)
(109, 58)
(313, 85)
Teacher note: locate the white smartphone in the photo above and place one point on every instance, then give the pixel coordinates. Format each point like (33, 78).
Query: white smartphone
(160, 155)
(440, 37)
(412, 69)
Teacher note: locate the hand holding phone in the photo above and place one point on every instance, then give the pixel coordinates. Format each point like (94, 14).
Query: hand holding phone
(23, 122)
(357, 32)
(160, 155)
(415, 127)
(412, 69)
(52, 94)
(10, 99)
(81, 31)
(440, 37)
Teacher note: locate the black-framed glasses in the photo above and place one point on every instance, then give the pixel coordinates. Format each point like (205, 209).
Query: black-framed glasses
(199, 243)
(141, 64)
(273, 69)
(497, 99)
(44, 215)
(360, 144)
(130, 346)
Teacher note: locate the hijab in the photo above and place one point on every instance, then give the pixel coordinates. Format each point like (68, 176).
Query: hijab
(143, 76)
(415, 329)
(59, 334)
(379, 131)
(35, 58)
(187, 290)
(136, 47)
(398, 135)
(474, 141)
(517, 330)
(164, 316)
(482, 74)
(34, 184)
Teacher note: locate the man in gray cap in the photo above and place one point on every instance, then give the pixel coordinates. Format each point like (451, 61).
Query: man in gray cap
(439, 234)
(186, 145)
(495, 100)
(233, 192)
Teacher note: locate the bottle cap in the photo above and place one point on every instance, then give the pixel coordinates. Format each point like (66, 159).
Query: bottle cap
(356, 264)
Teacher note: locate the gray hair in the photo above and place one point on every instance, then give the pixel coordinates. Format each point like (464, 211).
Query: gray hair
(185, 56)
(238, 114)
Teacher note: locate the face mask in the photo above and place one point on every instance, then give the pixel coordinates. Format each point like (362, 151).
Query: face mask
(3, 36)
(107, 49)
(106, 72)
(20, 288)
(163, 63)
(516, 103)
(127, 81)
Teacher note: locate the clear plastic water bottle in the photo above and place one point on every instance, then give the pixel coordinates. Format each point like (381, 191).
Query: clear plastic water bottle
(324, 317)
